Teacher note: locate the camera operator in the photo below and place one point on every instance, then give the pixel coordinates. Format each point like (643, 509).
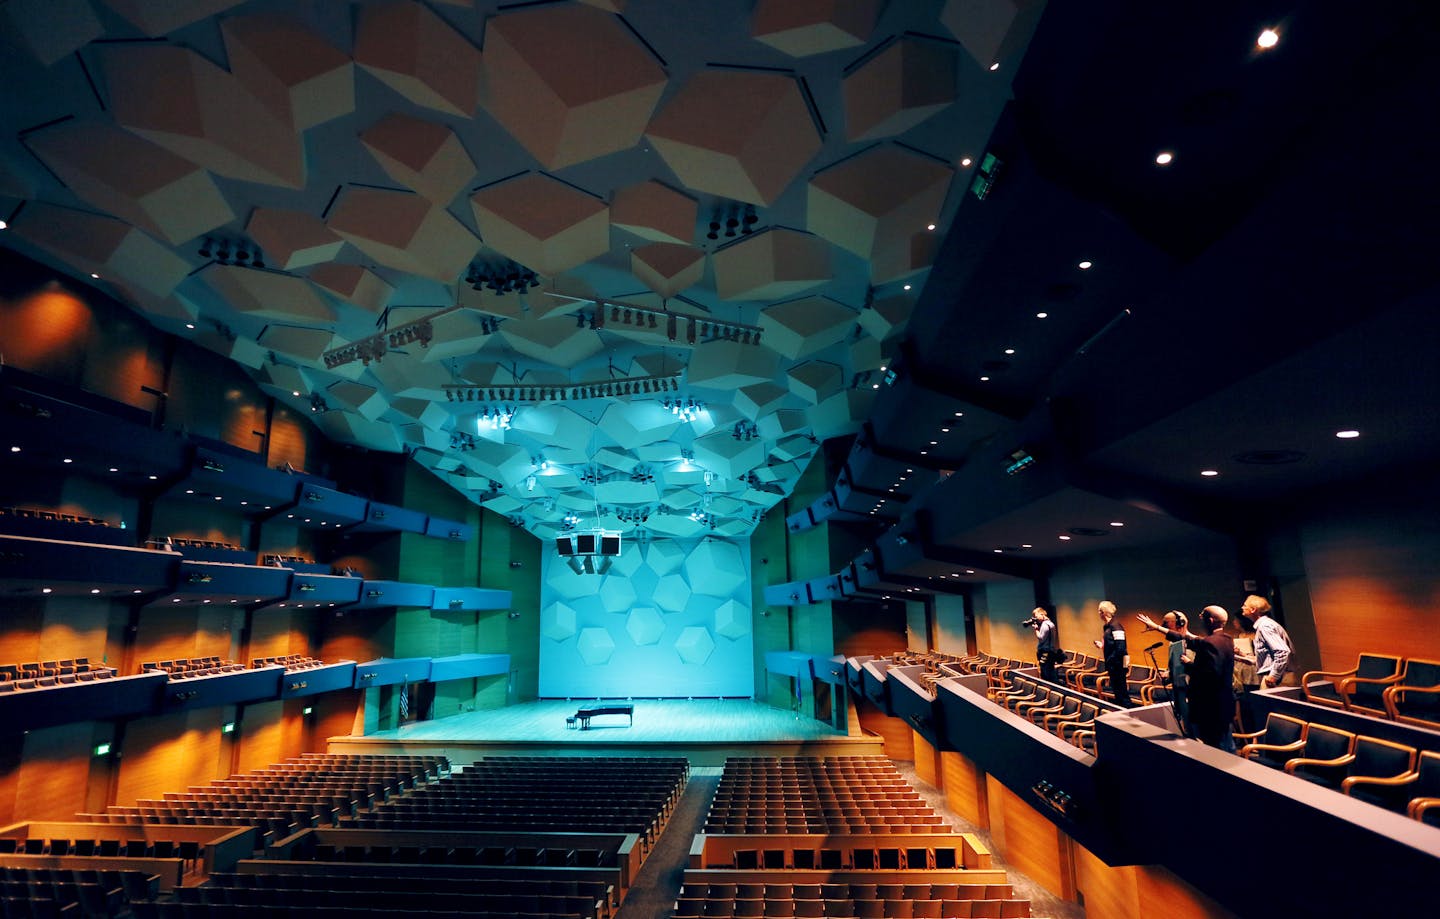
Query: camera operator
(1047, 647)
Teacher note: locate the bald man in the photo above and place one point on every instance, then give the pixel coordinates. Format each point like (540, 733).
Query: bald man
(1211, 695)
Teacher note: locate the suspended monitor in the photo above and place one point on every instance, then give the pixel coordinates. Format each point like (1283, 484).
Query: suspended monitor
(609, 543)
(565, 545)
(585, 543)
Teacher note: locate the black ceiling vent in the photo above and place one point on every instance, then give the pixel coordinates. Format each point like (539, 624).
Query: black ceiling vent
(1268, 457)
(1088, 531)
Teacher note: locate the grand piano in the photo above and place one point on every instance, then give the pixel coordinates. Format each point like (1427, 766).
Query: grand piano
(582, 717)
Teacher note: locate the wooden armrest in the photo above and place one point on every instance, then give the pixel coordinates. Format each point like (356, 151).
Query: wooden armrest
(1060, 720)
(1418, 806)
(1348, 684)
(1389, 781)
(1250, 735)
(1275, 747)
(1391, 696)
(1328, 674)
(1297, 763)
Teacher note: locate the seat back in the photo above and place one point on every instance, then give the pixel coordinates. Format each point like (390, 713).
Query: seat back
(1325, 742)
(1427, 782)
(1282, 729)
(1377, 666)
(1376, 758)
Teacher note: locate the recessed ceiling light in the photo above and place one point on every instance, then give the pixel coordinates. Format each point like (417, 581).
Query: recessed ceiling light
(984, 379)
(944, 430)
(930, 226)
(113, 469)
(1164, 158)
(969, 570)
(94, 275)
(924, 452)
(294, 392)
(217, 497)
(46, 590)
(69, 460)
(1026, 545)
(1065, 538)
(1086, 265)
(999, 551)
(1209, 473)
(154, 478)
(94, 590)
(959, 414)
(907, 287)
(14, 449)
(1116, 523)
(189, 491)
(190, 325)
(966, 161)
(1042, 315)
(995, 66)
(874, 385)
(3, 225)
(1009, 350)
(1267, 39)
(1347, 435)
(934, 443)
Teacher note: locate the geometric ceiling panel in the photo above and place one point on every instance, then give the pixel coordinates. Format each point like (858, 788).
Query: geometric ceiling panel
(725, 456)
(595, 646)
(621, 491)
(132, 178)
(886, 317)
(553, 424)
(557, 622)
(801, 328)
(266, 294)
(633, 424)
(461, 333)
(508, 464)
(803, 29)
(404, 376)
(420, 56)
(741, 135)
(159, 17)
(422, 155)
(628, 562)
(178, 99)
(292, 239)
(695, 645)
(878, 199)
(366, 400)
(349, 427)
(729, 365)
(980, 25)
(667, 268)
(814, 381)
(53, 29)
(664, 558)
(715, 568)
(676, 527)
(108, 248)
(302, 79)
(305, 345)
(571, 83)
(777, 425)
(895, 259)
(544, 224)
(354, 284)
(771, 265)
(644, 625)
(898, 88)
(842, 413)
(404, 231)
(654, 211)
(758, 398)
(554, 341)
(732, 620)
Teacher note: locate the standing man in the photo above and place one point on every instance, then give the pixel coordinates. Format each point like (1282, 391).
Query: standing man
(1178, 656)
(1211, 696)
(1047, 646)
(1274, 654)
(1115, 653)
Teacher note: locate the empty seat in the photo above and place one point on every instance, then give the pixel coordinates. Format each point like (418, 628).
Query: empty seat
(1362, 687)
(1326, 752)
(1415, 698)
(1280, 741)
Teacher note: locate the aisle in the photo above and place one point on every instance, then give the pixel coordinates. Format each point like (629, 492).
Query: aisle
(658, 884)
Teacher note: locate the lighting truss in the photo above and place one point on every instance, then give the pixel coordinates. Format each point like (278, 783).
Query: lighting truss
(375, 347)
(565, 392)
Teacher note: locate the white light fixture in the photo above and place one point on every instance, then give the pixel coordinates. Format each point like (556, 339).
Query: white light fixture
(1116, 523)
(1209, 473)
(1042, 315)
(1065, 538)
(1267, 39)
(1347, 435)
(1164, 158)
(907, 287)
(966, 161)
(1086, 265)
(930, 226)
(68, 460)
(995, 66)
(1009, 350)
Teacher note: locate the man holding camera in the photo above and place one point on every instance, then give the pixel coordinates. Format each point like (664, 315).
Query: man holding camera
(1047, 647)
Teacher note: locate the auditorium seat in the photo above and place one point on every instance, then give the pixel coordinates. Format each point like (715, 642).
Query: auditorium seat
(1423, 789)
(1415, 698)
(1326, 750)
(1376, 767)
(1361, 688)
(1280, 741)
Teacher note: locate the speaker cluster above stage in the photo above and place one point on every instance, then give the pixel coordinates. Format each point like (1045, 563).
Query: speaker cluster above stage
(595, 543)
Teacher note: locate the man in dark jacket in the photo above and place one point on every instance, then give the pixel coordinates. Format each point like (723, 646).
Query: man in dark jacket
(1211, 696)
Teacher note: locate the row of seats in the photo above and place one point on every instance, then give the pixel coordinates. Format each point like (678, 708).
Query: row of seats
(695, 908)
(476, 900)
(813, 795)
(288, 661)
(102, 848)
(312, 880)
(176, 910)
(185, 668)
(1067, 713)
(31, 513)
(65, 679)
(520, 856)
(1405, 689)
(855, 858)
(1392, 775)
(34, 670)
(98, 892)
(187, 542)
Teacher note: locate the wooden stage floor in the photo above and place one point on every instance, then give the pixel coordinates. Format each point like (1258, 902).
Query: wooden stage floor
(704, 730)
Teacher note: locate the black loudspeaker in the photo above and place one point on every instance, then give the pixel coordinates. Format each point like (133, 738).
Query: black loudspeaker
(565, 545)
(585, 544)
(609, 545)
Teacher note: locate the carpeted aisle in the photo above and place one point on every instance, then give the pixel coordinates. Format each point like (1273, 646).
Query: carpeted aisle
(658, 884)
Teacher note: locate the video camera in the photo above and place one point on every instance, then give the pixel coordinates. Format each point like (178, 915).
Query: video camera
(1031, 623)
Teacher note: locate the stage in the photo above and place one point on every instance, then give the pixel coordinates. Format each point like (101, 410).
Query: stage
(706, 731)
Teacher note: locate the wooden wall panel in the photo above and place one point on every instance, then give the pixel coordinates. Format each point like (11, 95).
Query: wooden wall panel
(337, 714)
(47, 332)
(172, 752)
(292, 440)
(54, 773)
(965, 788)
(1105, 890)
(167, 634)
(356, 636)
(193, 520)
(1030, 842)
(927, 762)
(895, 733)
(11, 756)
(76, 627)
(1007, 604)
(273, 633)
(262, 736)
(22, 624)
(124, 358)
(1160, 893)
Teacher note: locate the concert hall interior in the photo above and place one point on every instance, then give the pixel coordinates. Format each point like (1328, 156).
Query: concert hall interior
(679, 408)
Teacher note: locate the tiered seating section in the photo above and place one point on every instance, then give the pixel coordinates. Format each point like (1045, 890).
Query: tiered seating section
(311, 790)
(1066, 712)
(185, 668)
(544, 794)
(72, 893)
(33, 513)
(813, 795)
(42, 674)
(870, 862)
(1081, 673)
(288, 661)
(182, 542)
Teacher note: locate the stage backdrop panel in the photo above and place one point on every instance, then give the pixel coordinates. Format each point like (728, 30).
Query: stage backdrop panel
(671, 618)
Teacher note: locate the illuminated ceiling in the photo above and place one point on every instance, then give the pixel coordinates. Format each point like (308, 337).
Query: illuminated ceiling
(614, 264)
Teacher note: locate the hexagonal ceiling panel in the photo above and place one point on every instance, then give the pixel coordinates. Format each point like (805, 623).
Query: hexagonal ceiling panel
(695, 645)
(644, 625)
(458, 236)
(595, 646)
(671, 593)
(557, 622)
(715, 568)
